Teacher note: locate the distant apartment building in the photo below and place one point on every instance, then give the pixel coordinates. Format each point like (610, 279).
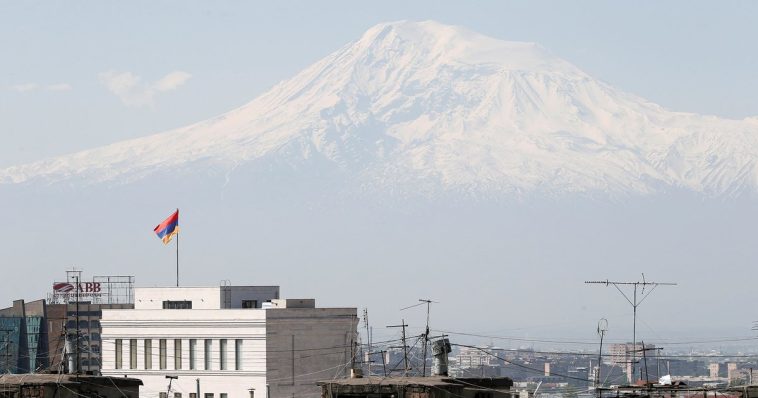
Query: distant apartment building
(625, 355)
(469, 357)
(713, 370)
(227, 342)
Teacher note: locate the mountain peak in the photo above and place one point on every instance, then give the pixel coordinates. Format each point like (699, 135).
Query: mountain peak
(422, 103)
(440, 43)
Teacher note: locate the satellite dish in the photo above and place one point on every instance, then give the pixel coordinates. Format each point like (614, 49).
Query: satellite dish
(602, 326)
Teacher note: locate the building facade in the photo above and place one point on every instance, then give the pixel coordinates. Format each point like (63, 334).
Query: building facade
(24, 337)
(628, 356)
(227, 341)
(34, 334)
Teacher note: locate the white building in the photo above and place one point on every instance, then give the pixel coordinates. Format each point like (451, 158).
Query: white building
(228, 340)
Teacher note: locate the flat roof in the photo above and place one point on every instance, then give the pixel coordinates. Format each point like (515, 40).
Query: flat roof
(65, 378)
(433, 381)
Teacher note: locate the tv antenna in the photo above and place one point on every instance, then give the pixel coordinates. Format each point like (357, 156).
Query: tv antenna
(404, 347)
(635, 302)
(426, 332)
(602, 328)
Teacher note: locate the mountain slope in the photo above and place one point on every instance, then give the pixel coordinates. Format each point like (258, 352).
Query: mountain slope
(423, 105)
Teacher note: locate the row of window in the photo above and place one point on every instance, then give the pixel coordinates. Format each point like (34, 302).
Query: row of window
(187, 305)
(97, 313)
(162, 357)
(71, 324)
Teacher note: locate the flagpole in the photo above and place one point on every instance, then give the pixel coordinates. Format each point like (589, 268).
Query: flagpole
(177, 253)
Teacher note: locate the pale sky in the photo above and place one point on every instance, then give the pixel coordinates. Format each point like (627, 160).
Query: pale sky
(76, 75)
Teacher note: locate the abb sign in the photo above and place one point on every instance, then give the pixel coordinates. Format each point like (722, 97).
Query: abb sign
(84, 287)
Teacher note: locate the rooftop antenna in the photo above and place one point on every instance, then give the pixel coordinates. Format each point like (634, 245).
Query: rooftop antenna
(635, 303)
(405, 346)
(602, 328)
(368, 339)
(426, 332)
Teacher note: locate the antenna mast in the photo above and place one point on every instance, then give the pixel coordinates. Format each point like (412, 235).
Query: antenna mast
(426, 331)
(635, 302)
(368, 339)
(405, 346)
(602, 327)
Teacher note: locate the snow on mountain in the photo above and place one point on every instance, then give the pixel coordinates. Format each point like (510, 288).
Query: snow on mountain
(421, 103)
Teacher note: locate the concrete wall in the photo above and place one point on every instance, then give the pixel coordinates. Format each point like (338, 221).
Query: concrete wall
(305, 345)
(247, 325)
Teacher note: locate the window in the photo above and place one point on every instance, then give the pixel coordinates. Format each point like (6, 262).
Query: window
(222, 353)
(223, 395)
(177, 395)
(133, 354)
(207, 355)
(177, 305)
(94, 336)
(162, 353)
(177, 354)
(237, 354)
(163, 395)
(95, 324)
(118, 354)
(249, 303)
(192, 354)
(209, 395)
(95, 349)
(148, 354)
(97, 313)
(193, 395)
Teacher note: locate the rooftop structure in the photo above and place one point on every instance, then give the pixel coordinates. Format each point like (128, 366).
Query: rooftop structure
(67, 386)
(417, 387)
(228, 341)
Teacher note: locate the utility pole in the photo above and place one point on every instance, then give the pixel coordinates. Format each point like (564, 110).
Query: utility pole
(368, 340)
(76, 338)
(635, 303)
(644, 358)
(405, 346)
(384, 363)
(602, 327)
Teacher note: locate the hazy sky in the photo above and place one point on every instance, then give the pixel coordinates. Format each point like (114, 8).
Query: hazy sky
(77, 75)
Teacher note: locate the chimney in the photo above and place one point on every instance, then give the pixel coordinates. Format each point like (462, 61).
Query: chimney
(69, 356)
(440, 349)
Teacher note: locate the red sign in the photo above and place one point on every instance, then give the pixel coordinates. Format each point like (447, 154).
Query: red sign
(84, 287)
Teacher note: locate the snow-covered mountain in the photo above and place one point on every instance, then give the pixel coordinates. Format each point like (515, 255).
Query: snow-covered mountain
(421, 104)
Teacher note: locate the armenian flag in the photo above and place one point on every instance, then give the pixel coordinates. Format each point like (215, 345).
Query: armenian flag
(168, 228)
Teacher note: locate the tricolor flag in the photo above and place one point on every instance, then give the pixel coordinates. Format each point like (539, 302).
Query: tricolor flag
(168, 228)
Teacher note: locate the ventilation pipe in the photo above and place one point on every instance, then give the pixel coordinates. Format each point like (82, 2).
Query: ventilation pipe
(69, 357)
(440, 349)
